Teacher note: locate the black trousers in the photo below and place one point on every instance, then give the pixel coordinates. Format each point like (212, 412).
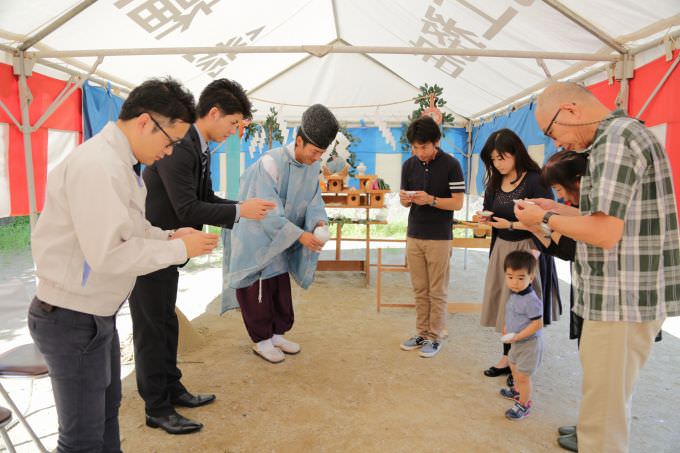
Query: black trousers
(155, 331)
(83, 358)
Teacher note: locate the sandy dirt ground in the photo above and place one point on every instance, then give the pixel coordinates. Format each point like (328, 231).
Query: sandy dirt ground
(352, 388)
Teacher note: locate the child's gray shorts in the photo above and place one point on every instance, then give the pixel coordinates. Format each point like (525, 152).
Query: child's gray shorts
(526, 355)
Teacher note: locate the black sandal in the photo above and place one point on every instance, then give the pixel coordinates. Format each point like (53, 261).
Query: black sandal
(494, 372)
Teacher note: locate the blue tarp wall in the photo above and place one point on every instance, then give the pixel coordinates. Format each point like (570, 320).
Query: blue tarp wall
(371, 143)
(523, 123)
(100, 106)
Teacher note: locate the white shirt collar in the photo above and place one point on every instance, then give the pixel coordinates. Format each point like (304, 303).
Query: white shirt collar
(204, 143)
(114, 135)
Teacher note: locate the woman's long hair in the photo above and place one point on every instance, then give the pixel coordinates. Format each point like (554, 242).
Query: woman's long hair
(565, 168)
(505, 141)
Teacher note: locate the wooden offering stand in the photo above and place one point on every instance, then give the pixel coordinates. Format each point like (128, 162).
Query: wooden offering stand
(339, 196)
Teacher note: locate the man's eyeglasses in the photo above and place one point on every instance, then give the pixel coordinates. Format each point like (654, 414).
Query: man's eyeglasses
(546, 131)
(172, 141)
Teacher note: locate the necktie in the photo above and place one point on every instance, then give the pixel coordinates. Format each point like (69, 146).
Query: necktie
(204, 163)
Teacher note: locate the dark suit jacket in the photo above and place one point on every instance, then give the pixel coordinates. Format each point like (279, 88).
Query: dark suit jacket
(178, 196)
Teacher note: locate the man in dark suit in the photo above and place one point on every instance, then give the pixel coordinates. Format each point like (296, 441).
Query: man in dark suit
(180, 195)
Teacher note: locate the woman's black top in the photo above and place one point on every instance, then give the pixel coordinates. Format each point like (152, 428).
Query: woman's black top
(502, 205)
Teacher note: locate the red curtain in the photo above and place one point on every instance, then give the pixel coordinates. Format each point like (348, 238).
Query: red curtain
(67, 117)
(664, 108)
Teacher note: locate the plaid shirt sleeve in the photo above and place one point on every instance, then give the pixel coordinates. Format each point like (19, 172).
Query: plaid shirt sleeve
(615, 176)
(629, 177)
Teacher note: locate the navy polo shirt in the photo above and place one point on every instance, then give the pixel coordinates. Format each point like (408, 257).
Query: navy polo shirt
(440, 177)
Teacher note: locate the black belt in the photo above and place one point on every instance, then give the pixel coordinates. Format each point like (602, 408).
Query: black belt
(47, 308)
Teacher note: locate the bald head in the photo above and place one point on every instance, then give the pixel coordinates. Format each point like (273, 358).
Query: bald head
(569, 114)
(564, 92)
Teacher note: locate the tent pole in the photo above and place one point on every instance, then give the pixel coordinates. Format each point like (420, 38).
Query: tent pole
(624, 71)
(622, 98)
(7, 111)
(468, 156)
(586, 25)
(104, 77)
(64, 95)
(562, 75)
(91, 78)
(322, 50)
(336, 22)
(25, 99)
(31, 41)
(658, 86)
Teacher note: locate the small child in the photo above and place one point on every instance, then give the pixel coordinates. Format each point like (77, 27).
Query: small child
(524, 317)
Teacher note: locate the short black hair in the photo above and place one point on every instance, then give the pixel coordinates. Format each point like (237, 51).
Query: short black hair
(165, 97)
(423, 130)
(520, 260)
(227, 95)
(565, 168)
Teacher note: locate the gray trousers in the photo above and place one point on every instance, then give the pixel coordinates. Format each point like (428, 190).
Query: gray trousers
(83, 358)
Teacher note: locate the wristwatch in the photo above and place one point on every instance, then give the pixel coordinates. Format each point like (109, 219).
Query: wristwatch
(547, 232)
(546, 217)
(434, 201)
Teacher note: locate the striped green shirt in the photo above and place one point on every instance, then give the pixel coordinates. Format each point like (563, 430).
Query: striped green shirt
(629, 177)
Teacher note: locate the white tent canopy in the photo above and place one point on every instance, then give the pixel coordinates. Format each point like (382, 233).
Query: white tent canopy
(364, 59)
(368, 64)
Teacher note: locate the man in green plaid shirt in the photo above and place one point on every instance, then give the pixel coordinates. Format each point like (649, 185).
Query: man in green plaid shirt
(626, 275)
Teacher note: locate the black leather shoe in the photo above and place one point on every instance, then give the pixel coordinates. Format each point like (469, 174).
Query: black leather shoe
(493, 371)
(174, 424)
(186, 399)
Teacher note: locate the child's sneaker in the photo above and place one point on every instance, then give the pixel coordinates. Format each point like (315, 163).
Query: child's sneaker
(412, 343)
(510, 394)
(518, 411)
(430, 348)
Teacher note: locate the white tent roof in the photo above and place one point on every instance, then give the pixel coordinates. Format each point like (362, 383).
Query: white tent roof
(473, 85)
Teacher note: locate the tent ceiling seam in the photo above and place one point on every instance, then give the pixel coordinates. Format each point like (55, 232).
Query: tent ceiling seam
(345, 43)
(388, 69)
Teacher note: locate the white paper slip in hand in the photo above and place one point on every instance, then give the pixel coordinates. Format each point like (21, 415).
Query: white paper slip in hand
(322, 233)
